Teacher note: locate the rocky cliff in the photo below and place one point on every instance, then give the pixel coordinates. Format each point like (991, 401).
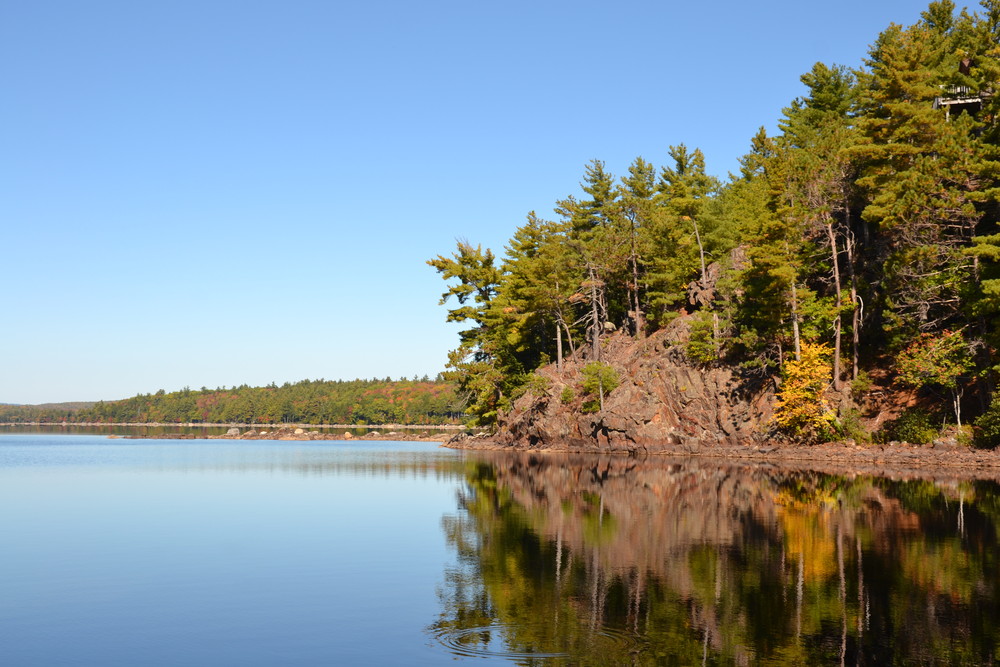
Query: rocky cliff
(664, 401)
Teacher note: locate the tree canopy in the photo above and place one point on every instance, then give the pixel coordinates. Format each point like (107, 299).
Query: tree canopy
(867, 224)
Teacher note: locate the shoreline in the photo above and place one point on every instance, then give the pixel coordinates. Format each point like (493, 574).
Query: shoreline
(882, 460)
(846, 457)
(456, 427)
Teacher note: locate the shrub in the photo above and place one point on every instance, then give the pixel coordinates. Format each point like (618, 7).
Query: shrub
(599, 377)
(987, 433)
(861, 385)
(913, 426)
(849, 426)
(700, 346)
(800, 408)
(941, 360)
(537, 385)
(568, 395)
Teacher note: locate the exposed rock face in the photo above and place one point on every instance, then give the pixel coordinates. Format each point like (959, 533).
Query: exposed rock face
(663, 401)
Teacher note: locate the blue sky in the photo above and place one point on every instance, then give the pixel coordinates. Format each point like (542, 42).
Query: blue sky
(218, 192)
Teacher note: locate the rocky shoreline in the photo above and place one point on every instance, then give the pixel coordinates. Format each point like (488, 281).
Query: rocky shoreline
(290, 433)
(891, 459)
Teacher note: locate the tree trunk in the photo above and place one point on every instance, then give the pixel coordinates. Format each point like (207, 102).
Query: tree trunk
(640, 325)
(956, 398)
(855, 311)
(569, 336)
(716, 341)
(701, 254)
(795, 313)
(837, 322)
(561, 321)
(795, 323)
(596, 323)
(558, 347)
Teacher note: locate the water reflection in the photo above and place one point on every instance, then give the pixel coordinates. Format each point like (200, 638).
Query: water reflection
(201, 430)
(621, 561)
(376, 459)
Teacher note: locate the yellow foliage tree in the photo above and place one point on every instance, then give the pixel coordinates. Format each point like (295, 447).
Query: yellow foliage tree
(800, 408)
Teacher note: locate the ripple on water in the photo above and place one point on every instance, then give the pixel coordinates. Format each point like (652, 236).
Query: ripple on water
(491, 641)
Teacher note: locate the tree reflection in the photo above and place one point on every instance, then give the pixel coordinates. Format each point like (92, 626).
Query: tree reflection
(625, 561)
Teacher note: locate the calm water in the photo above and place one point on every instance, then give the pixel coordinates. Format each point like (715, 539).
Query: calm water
(117, 552)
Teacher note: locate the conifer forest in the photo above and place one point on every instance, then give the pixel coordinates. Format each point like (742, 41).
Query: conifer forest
(857, 244)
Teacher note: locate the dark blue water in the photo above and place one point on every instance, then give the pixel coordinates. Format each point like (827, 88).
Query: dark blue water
(196, 552)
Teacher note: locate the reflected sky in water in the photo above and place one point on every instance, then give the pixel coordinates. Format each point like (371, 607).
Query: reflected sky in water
(206, 552)
(155, 552)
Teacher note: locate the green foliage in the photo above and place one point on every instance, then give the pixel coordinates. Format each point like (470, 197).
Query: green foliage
(306, 402)
(701, 346)
(568, 395)
(940, 359)
(937, 359)
(868, 221)
(682, 231)
(485, 366)
(46, 413)
(849, 426)
(861, 385)
(537, 385)
(599, 377)
(987, 432)
(913, 425)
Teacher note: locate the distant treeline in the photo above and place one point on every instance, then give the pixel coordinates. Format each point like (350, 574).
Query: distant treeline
(306, 402)
(46, 413)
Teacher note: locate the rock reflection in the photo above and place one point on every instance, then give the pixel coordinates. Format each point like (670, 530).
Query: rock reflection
(624, 561)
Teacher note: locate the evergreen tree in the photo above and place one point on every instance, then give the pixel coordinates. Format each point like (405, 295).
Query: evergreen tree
(484, 366)
(924, 174)
(541, 275)
(818, 135)
(676, 244)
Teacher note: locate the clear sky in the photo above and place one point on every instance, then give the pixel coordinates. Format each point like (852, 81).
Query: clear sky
(219, 192)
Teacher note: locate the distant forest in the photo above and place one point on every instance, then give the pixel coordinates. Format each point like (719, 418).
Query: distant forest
(862, 239)
(307, 402)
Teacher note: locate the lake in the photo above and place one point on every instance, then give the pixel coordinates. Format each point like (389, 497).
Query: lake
(123, 552)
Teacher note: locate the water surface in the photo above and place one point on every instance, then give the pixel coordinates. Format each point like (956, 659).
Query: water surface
(204, 552)
(119, 552)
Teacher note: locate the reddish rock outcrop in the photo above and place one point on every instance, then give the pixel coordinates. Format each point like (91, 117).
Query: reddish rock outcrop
(664, 401)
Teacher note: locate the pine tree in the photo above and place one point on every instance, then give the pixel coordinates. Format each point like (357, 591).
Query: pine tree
(818, 134)
(678, 251)
(924, 174)
(484, 366)
(542, 275)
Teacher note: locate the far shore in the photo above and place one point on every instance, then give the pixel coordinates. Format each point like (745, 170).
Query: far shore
(439, 433)
(456, 427)
(892, 459)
